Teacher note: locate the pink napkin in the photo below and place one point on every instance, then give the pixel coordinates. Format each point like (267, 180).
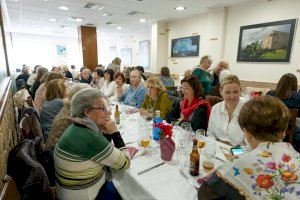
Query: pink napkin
(204, 179)
(132, 151)
(167, 148)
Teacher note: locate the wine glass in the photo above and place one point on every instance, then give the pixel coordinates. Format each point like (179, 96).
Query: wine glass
(200, 136)
(185, 125)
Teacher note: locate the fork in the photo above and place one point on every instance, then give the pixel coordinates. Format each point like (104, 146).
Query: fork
(187, 178)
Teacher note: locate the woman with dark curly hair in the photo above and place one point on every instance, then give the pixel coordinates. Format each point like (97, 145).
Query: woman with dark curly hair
(271, 169)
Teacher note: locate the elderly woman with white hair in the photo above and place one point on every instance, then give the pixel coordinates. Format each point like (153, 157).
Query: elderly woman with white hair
(136, 93)
(82, 151)
(86, 76)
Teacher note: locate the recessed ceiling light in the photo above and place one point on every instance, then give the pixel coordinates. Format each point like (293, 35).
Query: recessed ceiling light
(143, 20)
(101, 7)
(52, 20)
(106, 15)
(119, 27)
(179, 8)
(75, 19)
(63, 8)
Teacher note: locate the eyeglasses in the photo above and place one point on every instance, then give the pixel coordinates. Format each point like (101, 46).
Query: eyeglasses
(99, 108)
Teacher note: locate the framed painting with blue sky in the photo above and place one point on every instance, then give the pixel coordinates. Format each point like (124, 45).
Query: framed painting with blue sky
(267, 42)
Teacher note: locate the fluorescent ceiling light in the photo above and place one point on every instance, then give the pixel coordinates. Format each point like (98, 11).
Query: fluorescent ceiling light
(63, 8)
(101, 7)
(106, 15)
(52, 20)
(142, 20)
(119, 28)
(179, 8)
(75, 19)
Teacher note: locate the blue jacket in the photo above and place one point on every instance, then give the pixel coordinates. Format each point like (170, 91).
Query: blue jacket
(134, 97)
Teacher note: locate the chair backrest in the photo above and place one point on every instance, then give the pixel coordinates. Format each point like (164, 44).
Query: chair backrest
(172, 90)
(30, 126)
(175, 100)
(212, 100)
(9, 191)
(290, 132)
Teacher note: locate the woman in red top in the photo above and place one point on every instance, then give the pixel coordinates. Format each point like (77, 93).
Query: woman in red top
(192, 109)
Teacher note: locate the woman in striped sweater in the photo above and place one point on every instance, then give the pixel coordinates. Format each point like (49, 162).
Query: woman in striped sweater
(82, 152)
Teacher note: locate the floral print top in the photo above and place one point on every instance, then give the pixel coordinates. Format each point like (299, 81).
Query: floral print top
(270, 171)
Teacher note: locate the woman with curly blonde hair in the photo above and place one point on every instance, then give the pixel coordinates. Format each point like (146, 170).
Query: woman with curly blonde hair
(156, 98)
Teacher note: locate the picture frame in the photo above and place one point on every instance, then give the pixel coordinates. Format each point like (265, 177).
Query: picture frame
(266, 42)
(185, 47)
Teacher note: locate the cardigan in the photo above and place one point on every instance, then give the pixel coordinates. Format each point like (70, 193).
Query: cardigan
(79, 158)
(205, 79)
(163, 104)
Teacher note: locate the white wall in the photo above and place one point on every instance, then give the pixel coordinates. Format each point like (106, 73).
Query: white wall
(210, 28)
(130, 41)
(261, 12)
(33, 49)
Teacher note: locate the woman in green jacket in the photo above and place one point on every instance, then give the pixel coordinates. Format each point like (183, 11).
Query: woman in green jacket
(156, 99)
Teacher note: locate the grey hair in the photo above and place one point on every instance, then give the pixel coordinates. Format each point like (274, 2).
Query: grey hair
(137, 71)
(84, 99)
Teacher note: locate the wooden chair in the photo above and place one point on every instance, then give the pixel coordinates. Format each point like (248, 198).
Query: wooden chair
(290, 131)
(9, 191)
(212, 100)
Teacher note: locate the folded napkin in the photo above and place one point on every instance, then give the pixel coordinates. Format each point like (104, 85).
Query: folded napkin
(132, 151)
(132, 110)
(204, 179)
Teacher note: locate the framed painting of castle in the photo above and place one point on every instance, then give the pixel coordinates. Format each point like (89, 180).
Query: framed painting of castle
(267, 42)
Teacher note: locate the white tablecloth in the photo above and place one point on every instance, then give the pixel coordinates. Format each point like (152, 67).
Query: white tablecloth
(163, 182)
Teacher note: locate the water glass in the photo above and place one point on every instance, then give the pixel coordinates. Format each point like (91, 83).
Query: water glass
(185, 125)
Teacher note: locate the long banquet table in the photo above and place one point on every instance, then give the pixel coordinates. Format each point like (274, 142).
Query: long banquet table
(162, 183)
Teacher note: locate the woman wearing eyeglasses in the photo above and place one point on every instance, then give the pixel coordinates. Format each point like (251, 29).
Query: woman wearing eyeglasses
(82, 151)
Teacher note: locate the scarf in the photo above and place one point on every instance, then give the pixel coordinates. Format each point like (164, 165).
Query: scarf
(188, 110)
(270, 171)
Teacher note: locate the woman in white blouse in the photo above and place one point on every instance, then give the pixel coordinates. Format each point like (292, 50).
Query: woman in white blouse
(109, 85)
(120, 84)
(223, 121)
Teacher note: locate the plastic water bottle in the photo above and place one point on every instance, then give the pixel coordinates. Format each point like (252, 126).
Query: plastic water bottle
(156, 120)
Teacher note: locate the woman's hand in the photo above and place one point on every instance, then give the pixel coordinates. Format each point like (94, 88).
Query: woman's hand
(109, 127)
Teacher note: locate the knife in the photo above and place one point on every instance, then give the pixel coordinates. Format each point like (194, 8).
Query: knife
(150, 168)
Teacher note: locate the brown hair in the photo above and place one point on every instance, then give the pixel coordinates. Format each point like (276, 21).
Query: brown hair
(55, 89)
(264, 117)
(120, 74)
(286, 85)
(53, 76)
(165, 71)
(229, 79)
(194, 82)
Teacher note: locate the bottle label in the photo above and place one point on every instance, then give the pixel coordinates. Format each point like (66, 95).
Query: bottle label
(117, 119)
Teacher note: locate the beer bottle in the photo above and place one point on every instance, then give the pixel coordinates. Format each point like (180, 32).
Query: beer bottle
(117, 115)
(194, 160)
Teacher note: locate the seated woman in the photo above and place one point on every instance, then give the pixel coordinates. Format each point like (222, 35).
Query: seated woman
(86, 76)
(63, 119)
(156, 99)
(193, 109)
(120, 85)
(167, 79)
(109, 85)
(82, 151)
(98, 79)
(223, 121)
(55, 93)
(271, 169)
(40, 94)
(286, 90)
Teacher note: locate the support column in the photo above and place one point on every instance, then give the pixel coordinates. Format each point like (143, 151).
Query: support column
(88, 44)
(159, 50)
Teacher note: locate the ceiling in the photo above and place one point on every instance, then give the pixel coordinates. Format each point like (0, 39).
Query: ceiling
(32, 16)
